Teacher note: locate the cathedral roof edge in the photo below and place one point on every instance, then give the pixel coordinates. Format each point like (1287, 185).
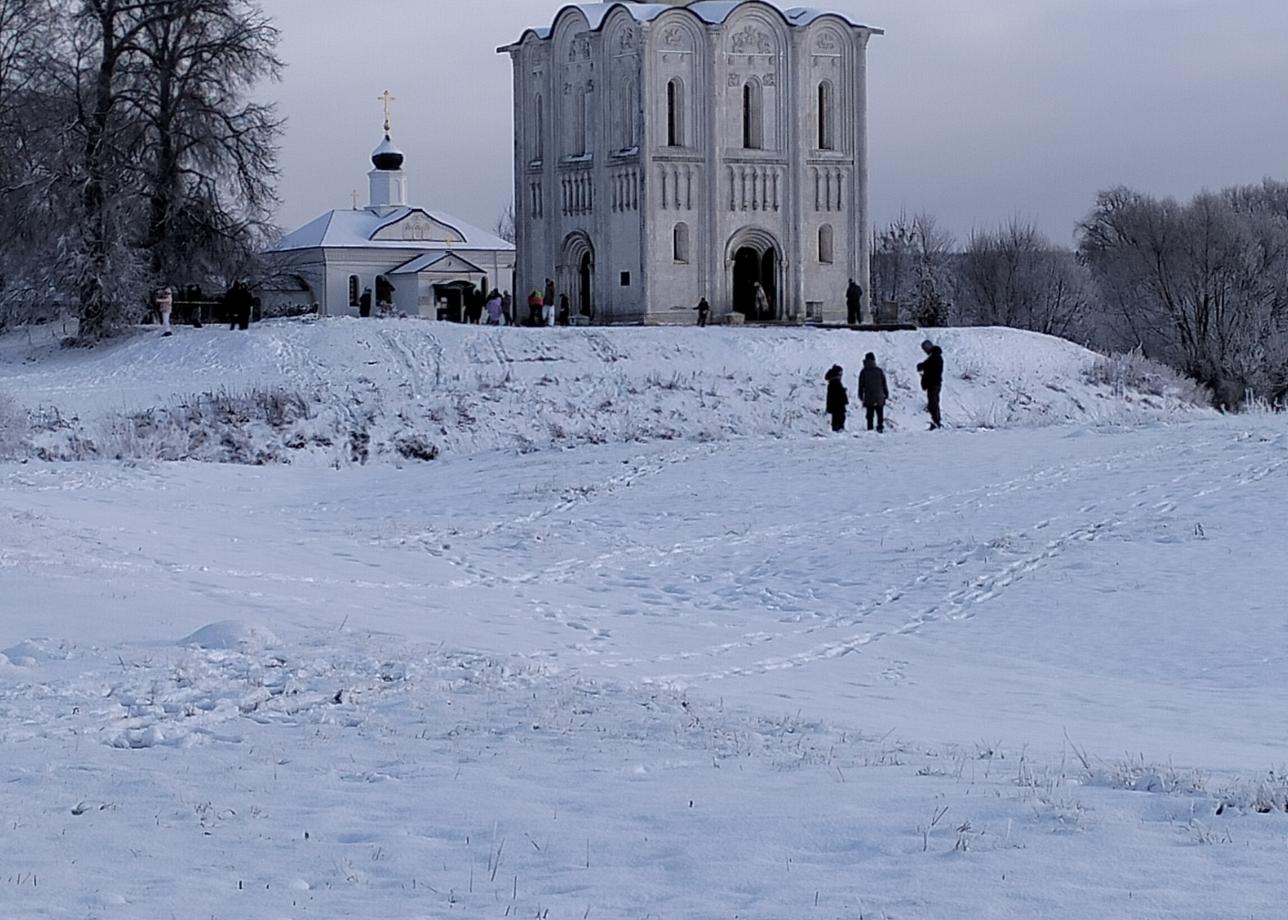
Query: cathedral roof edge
(708, 12)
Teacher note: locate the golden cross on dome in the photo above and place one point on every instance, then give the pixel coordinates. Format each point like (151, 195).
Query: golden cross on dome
(388, 99)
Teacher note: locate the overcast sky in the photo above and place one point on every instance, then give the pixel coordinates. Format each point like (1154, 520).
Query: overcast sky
(979, 110)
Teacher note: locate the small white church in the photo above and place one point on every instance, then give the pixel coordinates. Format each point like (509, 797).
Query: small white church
(672, 151)
(391, 255)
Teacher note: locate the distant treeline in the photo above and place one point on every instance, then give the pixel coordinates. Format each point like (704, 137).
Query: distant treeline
(1201, 286)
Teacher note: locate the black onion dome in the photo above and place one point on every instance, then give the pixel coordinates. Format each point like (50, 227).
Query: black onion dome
(387, 157)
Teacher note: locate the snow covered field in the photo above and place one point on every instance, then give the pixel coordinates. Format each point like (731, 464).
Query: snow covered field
(624, 661)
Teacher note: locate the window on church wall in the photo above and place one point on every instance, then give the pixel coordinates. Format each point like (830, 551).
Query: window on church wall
(825, 244)
(353, 290)
(581, 123)
(681, 243)
(539, 138)
(753, 137)
(675, 113)
(826, 116)
(627, 117)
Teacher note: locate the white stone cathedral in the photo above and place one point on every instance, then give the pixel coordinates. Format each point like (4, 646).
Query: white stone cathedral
(666, 152)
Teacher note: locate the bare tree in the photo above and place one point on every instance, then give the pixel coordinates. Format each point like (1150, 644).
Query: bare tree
(912, 268)
(1202, 286)
(505, 227)
(1014, 276)
(212, 159)
(110, 271)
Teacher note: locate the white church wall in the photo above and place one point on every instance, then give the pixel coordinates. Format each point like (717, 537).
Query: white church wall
(777, 184)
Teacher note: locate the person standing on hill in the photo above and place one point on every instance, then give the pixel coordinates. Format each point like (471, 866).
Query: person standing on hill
(165, 305)
(548, 304)
(837, 398)
(854, 303)
(704, 310)
(874, 392)
(932, 380)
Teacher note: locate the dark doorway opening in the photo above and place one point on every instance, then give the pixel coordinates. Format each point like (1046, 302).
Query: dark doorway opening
(755, 293)
(585, 276)
(451, 300)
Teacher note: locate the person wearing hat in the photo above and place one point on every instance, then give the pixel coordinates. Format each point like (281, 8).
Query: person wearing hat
(837, 398)
(874, 391)
(932, 380)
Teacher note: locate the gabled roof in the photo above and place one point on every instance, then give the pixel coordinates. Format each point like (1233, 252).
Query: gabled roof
(433, 257)
(711, 12)
(355, 229)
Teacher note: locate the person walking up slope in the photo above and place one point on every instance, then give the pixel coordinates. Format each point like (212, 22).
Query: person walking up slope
(932, 380)
(837, 398)
(874, 392)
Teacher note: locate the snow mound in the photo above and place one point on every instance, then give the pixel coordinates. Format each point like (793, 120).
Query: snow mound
(348, 391)
(232, 635)
(31, 653)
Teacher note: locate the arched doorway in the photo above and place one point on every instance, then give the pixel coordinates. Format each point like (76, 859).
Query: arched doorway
(576, 274)
(754, 267)
(585, 277)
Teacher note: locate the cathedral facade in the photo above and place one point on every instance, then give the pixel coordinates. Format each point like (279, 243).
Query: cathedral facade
(668, 152)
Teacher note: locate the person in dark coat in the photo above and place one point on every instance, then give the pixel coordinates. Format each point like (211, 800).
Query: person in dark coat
(874, 392)
(564, 314)
(837, 398)
(932, 380)
(238, 302)
(704, 310)
(854, 302)
(364, 303)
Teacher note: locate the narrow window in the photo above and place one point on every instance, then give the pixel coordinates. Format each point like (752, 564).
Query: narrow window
(752, 137)
(681, 243)
(582, 124)
(826, 108)
(825, 244)
(539, 141)
(675, 113)
(353, 290)
(630, 108)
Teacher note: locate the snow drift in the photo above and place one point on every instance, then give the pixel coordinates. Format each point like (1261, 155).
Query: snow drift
(350, 391)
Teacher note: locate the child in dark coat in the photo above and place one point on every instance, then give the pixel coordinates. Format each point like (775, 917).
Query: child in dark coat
(837, 398)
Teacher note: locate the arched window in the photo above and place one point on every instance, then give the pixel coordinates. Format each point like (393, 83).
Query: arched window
(682, 243)
(752, 105)
(675, 113)
(581, 123)
(628, 116)
(826, 116)
(353, 290)
(539, 139)
(825, 244)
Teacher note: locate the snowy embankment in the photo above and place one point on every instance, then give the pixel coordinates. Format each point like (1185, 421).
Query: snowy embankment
(344, 390)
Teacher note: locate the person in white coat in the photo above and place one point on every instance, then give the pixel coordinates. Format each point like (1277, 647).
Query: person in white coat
(165, 305)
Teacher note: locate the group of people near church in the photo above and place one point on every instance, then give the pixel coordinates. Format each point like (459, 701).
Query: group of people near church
(238, 305)
(542, 308)
(874, 390)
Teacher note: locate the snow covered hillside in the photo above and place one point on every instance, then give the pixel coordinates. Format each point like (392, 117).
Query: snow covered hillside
(722, 666)
(346, 390)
